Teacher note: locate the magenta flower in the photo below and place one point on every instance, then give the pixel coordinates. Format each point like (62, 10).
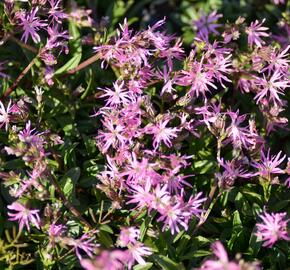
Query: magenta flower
(206, 25)
(279, 61)
(24, 216)
(255, 31)
(287, 170)
(142, 196)
(272, 228)
(222, 262)
(30, 24)
(56, 230)
(31, 136)
(211, 115)
(269, 164)
(31, 181)
(170, 53)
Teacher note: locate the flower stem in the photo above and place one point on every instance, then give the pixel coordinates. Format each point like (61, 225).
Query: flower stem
(84, 64)
(67, 204)
(211, 200)
(22, 74)
(23, 45)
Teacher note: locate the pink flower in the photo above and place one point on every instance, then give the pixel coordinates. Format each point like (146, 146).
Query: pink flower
(279, 61)
(112, 136)
(142, 196)
(278, 2)
(198, 77)
(83, 244)
(56, 230)
(107, 260)
(4, 114)
(222, 262)
(137, 251)
(272, 228)
(233, 170)
(31, 24)
(238, 135)
(172, 52)
(57, 39)
(255, 31)
(128, 235)
(24, 216)
(206, 25)
(55, 12)
(161, 133)
(269, 164)
(117, 96)
(32, 180)
(272, 88)
(172, 216)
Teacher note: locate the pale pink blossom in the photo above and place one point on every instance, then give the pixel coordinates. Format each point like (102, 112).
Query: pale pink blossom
(272, 228)
(24, 216)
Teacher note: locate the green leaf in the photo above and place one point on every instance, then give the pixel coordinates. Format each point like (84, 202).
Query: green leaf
(106, 228)
(75, 48)
(72, 63)
(254, 245)
(68, 183)
(145, 224)
(105, 239)
(165, 262)
(204, 166)
(143, 267)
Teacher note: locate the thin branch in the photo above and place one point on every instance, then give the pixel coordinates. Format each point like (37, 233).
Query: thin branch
(66, 203)
(211, 200)
(23, 45)
(22, 74)
(84, 64)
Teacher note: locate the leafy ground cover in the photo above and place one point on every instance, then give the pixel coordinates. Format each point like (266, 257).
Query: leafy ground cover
(144, 134)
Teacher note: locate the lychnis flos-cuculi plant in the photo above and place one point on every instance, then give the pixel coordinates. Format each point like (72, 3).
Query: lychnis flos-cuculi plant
(136, 149)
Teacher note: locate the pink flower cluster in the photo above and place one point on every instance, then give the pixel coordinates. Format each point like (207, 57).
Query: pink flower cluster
(151, 177)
